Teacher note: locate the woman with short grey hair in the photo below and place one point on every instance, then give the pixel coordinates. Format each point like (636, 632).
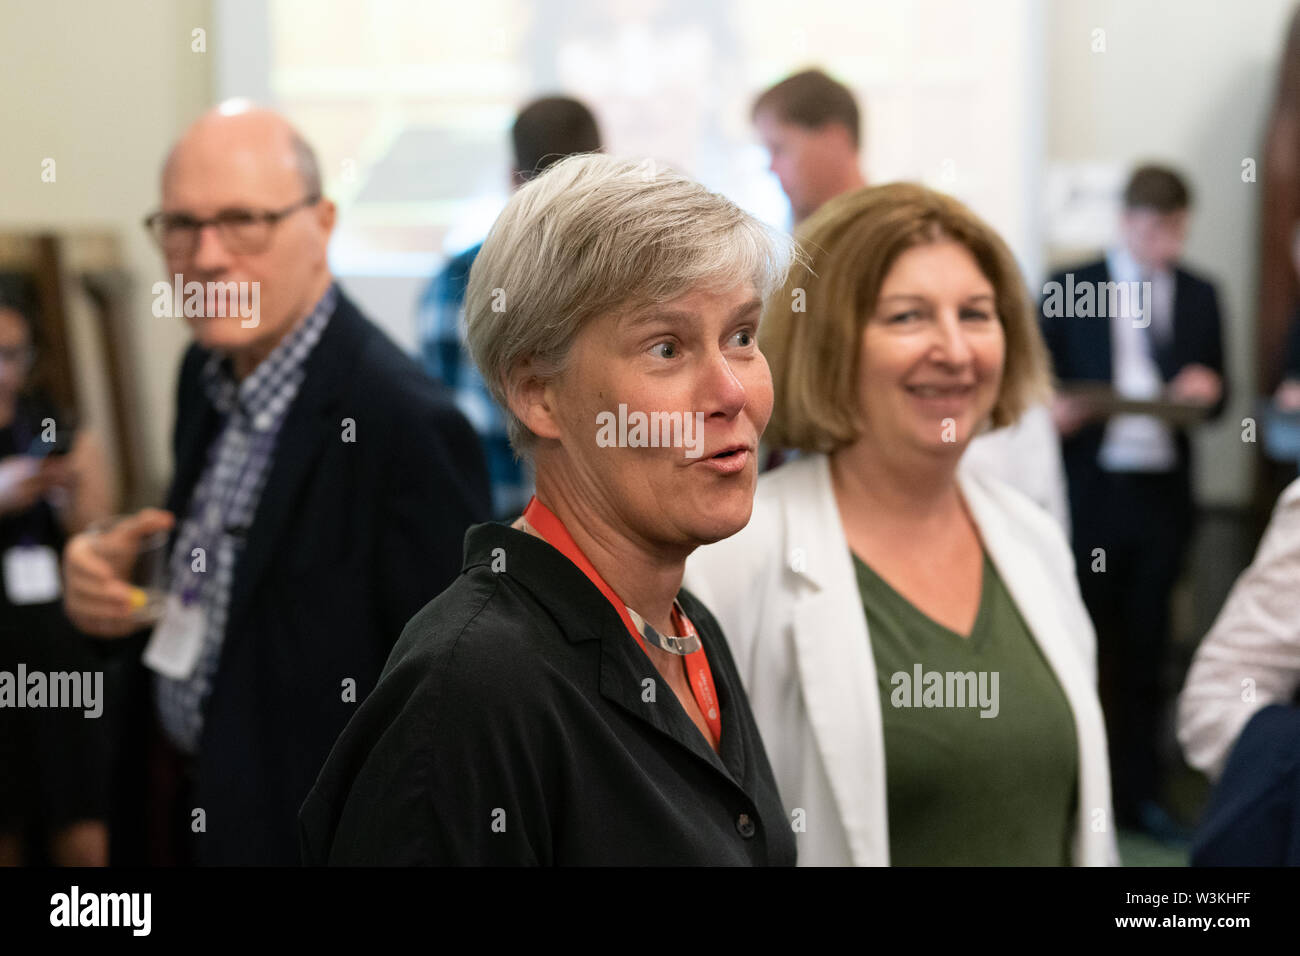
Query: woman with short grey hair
(565, 701)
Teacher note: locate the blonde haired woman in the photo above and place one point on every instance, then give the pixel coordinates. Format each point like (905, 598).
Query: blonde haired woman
(911, 634)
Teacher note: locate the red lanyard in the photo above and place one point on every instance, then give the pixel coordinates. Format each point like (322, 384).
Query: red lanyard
(697, 664)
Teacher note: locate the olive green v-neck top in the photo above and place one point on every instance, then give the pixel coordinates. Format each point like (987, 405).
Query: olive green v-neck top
(981, 759)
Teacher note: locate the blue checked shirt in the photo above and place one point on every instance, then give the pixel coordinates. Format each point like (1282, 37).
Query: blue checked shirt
(224, 502)
(446, 357)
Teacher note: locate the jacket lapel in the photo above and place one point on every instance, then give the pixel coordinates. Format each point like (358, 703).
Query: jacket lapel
(308, 426)
(196, 426)
(623, 672)
(1168, 350)
(837, 671)
(584, 615)
(1040, 602)
(1103, 356)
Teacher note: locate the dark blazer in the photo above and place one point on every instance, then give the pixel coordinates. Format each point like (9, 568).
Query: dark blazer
(349, 540)
(1253, 818)
(518, 698)
(1081, 351)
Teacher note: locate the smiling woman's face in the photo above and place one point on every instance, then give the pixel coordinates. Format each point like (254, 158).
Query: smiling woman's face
(932, 352)
(696, 359)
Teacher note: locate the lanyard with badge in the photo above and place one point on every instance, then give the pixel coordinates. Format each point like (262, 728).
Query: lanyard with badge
(31, 569)
(687, 645)
(177, 641)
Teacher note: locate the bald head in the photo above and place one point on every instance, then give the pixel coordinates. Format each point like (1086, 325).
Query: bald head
(237, 125)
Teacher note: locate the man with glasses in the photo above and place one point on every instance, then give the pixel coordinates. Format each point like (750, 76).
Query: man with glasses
(322, 489)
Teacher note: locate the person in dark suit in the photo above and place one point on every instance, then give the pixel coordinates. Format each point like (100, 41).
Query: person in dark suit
(565, 701)
(1287, 396)
(1139, 321)
(321, 490)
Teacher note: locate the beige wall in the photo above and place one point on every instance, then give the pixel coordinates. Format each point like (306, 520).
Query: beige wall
(1189, 82)
(103, 88)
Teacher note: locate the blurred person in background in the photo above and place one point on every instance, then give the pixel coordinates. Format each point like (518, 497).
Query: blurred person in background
(909, 629)
(565, 701)
(322, 487)
(545, 131)
(1287, 396)
(53, 483)
(810, 126)
(1250, 659)
(1238, 722)
(1130, 476)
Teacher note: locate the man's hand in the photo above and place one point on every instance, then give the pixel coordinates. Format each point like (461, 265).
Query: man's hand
(97, 569)
(1196, 383)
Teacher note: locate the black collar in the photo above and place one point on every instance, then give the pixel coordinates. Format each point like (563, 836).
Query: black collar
(583, 614)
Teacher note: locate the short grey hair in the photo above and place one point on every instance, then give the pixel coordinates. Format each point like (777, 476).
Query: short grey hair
(594, 235)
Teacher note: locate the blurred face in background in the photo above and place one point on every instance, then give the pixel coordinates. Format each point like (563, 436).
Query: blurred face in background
(932, 354)
(809, 162)
(15, 355)
(246, 161)
(1155, 239)
(698, 353)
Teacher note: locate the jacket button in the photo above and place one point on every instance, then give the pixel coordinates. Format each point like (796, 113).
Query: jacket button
(745, 826)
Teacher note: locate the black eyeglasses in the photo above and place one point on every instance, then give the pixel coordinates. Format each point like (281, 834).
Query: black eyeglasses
(242, 231)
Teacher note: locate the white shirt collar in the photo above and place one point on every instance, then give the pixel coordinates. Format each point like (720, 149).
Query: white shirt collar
(1124, 268)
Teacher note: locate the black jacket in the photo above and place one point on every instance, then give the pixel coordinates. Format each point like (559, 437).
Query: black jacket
(1252, 813)
(349, 540)
(1081, 351)
(517, 698)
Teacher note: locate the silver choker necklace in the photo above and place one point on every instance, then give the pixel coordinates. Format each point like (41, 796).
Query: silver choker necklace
(687, 643)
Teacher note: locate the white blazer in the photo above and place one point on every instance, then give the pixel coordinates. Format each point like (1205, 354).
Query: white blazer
(1251, 657)
(785, 594)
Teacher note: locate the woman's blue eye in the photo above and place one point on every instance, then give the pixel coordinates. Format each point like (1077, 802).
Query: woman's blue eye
(905, 316)
(976, 314)
(672, 349)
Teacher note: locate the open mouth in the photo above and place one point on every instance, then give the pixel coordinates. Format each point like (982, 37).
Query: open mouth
(728, 461)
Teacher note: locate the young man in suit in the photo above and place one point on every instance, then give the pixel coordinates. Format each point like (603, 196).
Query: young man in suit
(1129, 476)
(322, 488)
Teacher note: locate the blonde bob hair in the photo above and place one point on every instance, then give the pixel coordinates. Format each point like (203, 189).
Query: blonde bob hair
(594, 235)
(811, 332)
